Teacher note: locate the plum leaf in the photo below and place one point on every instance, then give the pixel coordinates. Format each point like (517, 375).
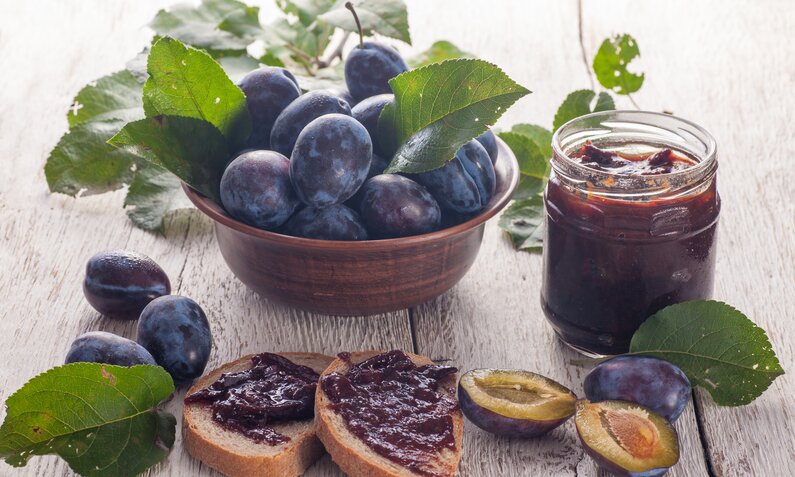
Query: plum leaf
(541, 136)
(101, 419)
(386, 17)
(154, 193)
(717, 347)
(439, 107)
(438, 52)
(198, 26)
(533, 165)
(116, 96)
(579, 103)
(611, 62)
(523, 220)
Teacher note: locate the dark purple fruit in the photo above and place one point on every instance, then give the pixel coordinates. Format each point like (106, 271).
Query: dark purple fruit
(342, 94)
(453, 187)
(489, 141)
(256, 189)
(331, 160)
(337, 222)
(102, 347)
(268, 91)
(369, 67)
(627, 439)
(299, 113)
(120, 283)
(367, 112)
(377, 166)
(514, 403)
(175, 330)
(654, 383)
(396, 206)
(476, 162)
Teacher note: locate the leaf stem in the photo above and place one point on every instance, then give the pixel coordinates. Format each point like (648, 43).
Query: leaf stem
(632, 100)
(336, 52)
(349, 6)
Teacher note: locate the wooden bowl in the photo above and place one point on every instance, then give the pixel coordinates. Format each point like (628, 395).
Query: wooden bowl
(355, 278)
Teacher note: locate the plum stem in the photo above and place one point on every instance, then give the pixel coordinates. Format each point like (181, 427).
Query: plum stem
(349, 6)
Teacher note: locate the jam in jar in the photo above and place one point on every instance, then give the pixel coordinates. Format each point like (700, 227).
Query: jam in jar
(631, 215)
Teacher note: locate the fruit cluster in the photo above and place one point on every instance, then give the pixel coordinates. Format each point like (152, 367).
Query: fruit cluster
(625, 423)
(314, 167)
(173, 331)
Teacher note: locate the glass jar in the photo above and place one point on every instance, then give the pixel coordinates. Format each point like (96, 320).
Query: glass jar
(618, 248)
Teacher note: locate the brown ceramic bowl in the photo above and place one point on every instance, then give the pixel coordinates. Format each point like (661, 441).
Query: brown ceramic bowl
(355, 278)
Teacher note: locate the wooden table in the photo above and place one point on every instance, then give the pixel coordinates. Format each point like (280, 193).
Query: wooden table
(729, 66)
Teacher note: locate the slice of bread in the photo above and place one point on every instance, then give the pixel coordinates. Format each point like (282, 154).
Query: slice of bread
(353, 455)
(238, 456)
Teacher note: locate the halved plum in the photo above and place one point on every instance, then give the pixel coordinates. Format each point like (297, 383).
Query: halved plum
(627, 439)
(514, 403)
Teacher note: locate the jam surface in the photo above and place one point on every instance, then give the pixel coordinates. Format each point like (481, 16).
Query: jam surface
(396, 408)
(609, 264)
(273, 389)
(664, 161)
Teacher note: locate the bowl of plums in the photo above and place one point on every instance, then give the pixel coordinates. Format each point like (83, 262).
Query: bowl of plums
(308, 218)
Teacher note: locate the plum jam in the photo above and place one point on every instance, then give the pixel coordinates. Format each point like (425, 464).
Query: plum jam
(396, 408)
(631, 214)
(274, 389)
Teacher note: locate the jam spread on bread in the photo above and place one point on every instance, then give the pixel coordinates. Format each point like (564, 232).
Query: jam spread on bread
(274, 389)
(396, 408)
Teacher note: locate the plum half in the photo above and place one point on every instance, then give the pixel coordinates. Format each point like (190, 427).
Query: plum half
(627, 439)
(514, 403)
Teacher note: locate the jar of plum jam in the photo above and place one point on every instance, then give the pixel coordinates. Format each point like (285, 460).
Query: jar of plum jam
(631, 214)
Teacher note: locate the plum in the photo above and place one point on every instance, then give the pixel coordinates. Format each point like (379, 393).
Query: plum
(103, 347)
(268, 91)
(489, 141)
(476, 162)
(367, 112)
(336, 222)
(341, 93)
(514, 403)
(256, 189)
(453, 187)
(299, 113)
(175, 330)
(627, 439)
(651, 382)
(331, 160)
(120, 283)
(396, 206)
(377, 166)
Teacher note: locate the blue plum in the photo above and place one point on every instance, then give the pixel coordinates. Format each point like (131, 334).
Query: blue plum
(453, 187)
(489, 141)
(299, 113)
(651, 382)
(331, 160)
(377, 166)
(369, 67)
(256, 189)
(343, 94)
(396, 206)
(120, 283)
(268, 91)
(336, 222)
(476, 162)
(367, 112)
(175, 330)
(102, 347)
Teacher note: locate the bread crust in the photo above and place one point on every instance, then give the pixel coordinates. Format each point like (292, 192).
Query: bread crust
(290, 459)
(350, 453)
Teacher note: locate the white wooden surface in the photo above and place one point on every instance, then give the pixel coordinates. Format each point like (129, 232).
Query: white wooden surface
(729, 66)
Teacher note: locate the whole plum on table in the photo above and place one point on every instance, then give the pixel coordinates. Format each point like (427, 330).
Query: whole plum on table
(396, 206)
(514, 403)
(336, 222)
(627, 439)
(489, 141)
(294, 118)
(367, 112)
(651, 382)
(331, 160)
(120, 283)
(268, 91)
(369, 67)
(256, 189)
(175, 330)
(453, 187)
(478, 165)
(102, 347)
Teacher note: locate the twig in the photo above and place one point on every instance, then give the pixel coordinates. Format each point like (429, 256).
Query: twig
(336, 52)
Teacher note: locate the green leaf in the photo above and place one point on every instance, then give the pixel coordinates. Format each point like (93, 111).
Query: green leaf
(101, 419)
(542, 137)
(83, 162)
(192, 149)
(236, 67)
(154, 193)
(198, 26)
(386, 17)
(533, 165)
(611, 61)
(438, 52)
(579, 103)
(184, 81)
(523, 220)
(716, 346)
(112, 97)
(307, 11)
(439, 107)
(243, 23)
